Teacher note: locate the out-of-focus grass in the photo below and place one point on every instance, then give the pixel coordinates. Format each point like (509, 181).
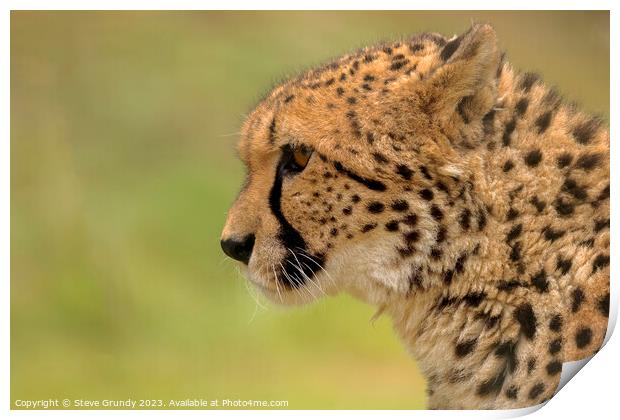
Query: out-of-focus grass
(123, 166)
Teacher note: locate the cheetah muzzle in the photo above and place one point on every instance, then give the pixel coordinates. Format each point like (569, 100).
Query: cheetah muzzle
(466, 200)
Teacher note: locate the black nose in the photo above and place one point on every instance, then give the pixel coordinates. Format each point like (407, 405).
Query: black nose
(239, 250)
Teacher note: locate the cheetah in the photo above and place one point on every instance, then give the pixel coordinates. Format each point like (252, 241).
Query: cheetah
(464, 199)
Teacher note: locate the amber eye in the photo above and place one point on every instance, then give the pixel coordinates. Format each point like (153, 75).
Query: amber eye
(296, 158)
(302, 156)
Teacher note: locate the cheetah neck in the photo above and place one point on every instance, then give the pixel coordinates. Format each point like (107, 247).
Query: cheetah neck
(522, 234)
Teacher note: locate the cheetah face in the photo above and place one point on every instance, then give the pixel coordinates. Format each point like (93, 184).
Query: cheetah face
(342, 164)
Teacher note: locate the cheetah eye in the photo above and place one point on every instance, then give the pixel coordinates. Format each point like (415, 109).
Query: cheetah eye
(296, 158)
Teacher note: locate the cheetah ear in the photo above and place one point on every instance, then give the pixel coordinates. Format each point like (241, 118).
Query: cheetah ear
(464, 86)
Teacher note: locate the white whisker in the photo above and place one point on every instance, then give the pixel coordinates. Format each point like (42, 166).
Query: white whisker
(301, 271)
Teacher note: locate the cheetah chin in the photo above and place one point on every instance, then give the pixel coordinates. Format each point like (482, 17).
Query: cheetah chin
(466, 200)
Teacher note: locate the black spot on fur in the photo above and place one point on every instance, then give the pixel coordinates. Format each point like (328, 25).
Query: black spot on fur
(540, 205)
(564, 160)
(375, 207)
(554, 367)
(396, 65)
(380, 157)
(488, 122)
(600, 262)
(563, 265)
(515, 251)
(584, 132)
(404, 171)
(508, 165)
(556, 323)
(604, 194)
(425, 173)
(578, 298)
(531, 365)
(583, 337)
(482, 219)
(450, 48)
(436, 253)
(512, 392)
(570, 186)
(426, 194)
(272, 131)
(415, 48)
(441, 234)
(543, 122)
(464, 348)
(369, 58)
(465, 219)
(474, 299)
(539, 281)
(508, 129)
(462, 108)
(536, 390)
(515, 192)
(588, 161)
(521, 106)
(400, 205)
(588, 243)
(564, 208)
(492, 321)
(442, 187)
(533, 158)
(527, 81)
(368, 227)
(436, 212)
(512, 214)
(524, 315)
(555, 346)
(551, 234)
(514, 232)
(601, 224)
(392, 226)
(603, 305)
(411, 237)
(508, 285)
(410, 220)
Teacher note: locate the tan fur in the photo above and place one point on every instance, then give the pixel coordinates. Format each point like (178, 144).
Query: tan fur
(488, 246)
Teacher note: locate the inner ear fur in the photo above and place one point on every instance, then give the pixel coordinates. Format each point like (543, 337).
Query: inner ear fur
(463, 88)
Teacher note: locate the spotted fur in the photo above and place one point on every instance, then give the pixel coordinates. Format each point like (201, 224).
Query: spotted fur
(464, 199)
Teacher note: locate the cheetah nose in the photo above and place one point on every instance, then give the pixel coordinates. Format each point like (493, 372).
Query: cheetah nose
(240, 250)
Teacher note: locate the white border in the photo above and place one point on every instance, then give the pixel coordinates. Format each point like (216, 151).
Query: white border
(594, 393)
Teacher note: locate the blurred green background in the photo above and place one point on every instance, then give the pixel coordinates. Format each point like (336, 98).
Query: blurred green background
(123, 127)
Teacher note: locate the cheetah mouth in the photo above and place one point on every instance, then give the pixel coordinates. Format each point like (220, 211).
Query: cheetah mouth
(296, 277)
(298, 268)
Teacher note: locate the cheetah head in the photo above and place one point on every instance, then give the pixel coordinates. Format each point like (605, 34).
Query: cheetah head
(343, 162)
